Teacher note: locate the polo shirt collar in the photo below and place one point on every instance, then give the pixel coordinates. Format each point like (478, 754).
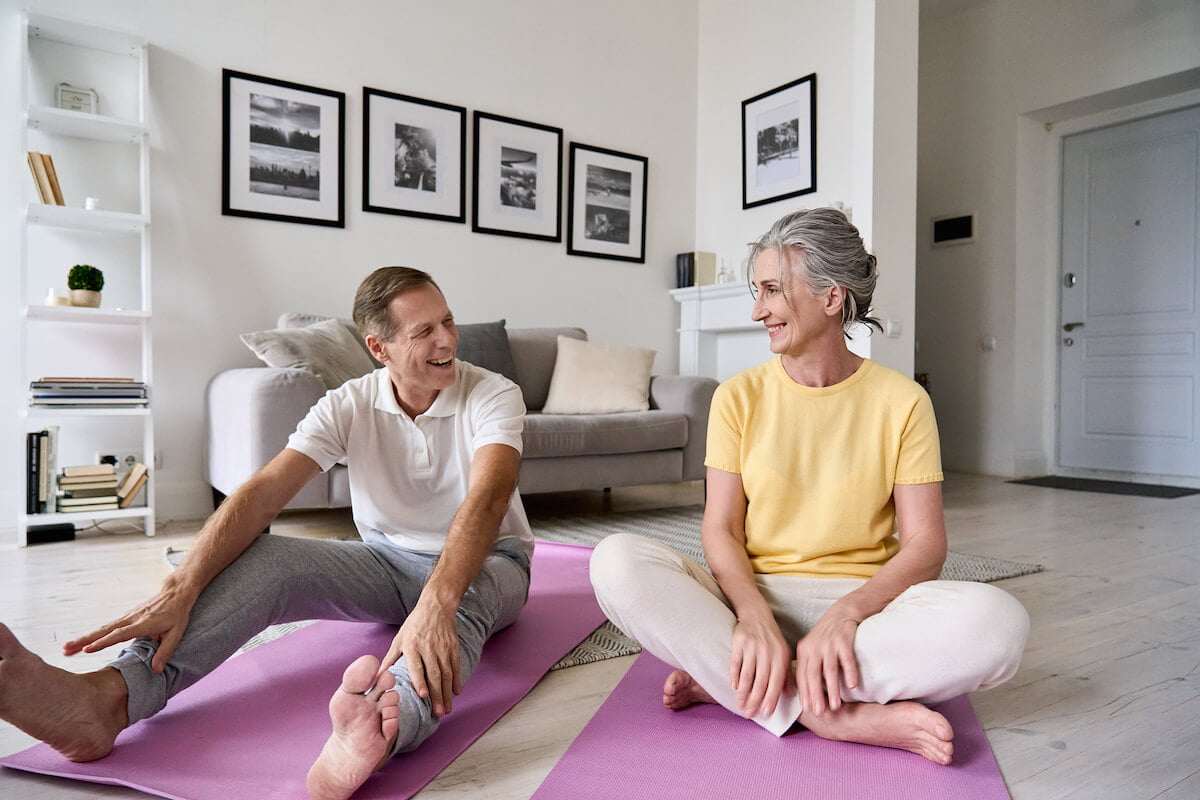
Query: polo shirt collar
(443, 405)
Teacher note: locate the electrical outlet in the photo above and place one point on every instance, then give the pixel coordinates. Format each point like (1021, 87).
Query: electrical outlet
(122, 458)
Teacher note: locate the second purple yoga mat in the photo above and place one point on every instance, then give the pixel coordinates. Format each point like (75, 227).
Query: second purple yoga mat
(635, 749)
(253, 727)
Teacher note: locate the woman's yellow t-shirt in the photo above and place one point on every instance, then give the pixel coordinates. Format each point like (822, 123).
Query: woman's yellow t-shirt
(818, 464)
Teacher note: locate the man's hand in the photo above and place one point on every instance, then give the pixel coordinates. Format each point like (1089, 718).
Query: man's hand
(825, 661)
(163, 617)
(760, 665)
(428, 640)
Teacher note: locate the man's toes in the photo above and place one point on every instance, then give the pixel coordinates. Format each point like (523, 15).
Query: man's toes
(359, 676)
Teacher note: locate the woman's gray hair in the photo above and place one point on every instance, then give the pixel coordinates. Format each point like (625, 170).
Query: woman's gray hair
(831, 253)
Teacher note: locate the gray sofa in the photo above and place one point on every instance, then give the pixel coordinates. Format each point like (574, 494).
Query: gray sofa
(250, 413)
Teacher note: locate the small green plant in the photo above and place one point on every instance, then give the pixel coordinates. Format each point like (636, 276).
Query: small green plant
(85, 276)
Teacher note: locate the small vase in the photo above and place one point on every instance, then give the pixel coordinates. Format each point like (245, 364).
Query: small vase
(85, 297)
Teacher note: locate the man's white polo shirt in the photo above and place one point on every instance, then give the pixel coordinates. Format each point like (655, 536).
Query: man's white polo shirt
(408, 477)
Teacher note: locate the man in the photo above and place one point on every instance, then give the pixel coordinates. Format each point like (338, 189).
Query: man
(433, 448)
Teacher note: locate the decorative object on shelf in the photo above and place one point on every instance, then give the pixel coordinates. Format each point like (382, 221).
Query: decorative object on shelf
(606, 204)
(64, 392)
(85, 283)
(696, 268)
(54, 300)
(414, 156)
(283, 152)
(517, 178)
(91, 203)
(779, 143)
(72, 98)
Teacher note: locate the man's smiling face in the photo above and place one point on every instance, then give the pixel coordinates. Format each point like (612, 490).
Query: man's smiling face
(420, 355)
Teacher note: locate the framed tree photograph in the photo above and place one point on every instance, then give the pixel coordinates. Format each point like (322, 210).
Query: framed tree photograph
(518, 178)
(283, 151)
(779, 143)
(414, 156)
(606, 204)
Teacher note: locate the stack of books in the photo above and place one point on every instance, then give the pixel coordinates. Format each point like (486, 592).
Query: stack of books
(87, 393)
(95, 487)
(41, 463)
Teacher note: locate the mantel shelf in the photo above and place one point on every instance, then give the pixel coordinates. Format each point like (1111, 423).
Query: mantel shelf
(84, 220)
(84, 125)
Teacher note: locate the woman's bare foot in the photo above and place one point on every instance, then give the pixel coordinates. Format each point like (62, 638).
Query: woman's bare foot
(906, 726)
(365, 720)
(79, 715)
(681, 691)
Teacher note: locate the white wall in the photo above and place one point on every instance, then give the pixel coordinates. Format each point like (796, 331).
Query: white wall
(624, 79)
(864, 55)
(991, 77)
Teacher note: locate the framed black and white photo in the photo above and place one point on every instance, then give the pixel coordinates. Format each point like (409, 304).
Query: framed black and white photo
(414, 156)
(518, 178)
(606, 204)
(283, 151)
(779, 143)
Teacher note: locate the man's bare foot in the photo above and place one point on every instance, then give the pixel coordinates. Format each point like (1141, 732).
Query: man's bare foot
(906, 726)
(364, 726)
(681, 691)
(79, 715)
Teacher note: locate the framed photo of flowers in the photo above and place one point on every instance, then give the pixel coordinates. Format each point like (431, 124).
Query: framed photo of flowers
(779, 143)
(283, 151)
(414, 156)
(606, 204)
(518, 178)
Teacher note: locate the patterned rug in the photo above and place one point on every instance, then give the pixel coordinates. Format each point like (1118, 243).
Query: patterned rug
(678, 528)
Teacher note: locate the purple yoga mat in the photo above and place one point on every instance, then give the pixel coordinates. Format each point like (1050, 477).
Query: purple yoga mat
(633, 748)
(253, 727)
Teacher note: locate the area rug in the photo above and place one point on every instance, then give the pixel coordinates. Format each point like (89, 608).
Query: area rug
(1108, 487)
(635, 749)
(678, 528)
(252, 728)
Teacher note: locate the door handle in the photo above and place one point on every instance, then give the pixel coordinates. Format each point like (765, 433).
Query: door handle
(1070, 326)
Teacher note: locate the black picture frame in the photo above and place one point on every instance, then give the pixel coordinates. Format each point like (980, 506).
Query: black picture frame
(418, 149)
(606, 204)
(296, 130)
(517, 178)
(779, 143)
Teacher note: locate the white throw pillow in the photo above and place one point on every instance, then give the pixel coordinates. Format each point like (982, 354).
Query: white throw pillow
(599, 378)
(325, 349)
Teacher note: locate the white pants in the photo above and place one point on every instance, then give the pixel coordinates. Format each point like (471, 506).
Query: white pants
(935, 641)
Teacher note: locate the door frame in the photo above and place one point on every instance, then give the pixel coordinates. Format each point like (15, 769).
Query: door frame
(1038, 255)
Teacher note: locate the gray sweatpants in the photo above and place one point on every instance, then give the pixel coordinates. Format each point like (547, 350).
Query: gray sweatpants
(287, 579)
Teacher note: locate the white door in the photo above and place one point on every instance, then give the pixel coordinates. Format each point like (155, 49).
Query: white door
(1129, 380)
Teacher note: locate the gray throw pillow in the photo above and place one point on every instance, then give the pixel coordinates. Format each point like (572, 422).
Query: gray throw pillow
(325, 349)
(485, 344)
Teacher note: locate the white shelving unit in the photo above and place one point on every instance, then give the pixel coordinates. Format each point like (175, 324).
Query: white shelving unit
(106, 155)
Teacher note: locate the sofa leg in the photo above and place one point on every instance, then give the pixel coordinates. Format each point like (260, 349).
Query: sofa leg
(608, 490)
(218, 497)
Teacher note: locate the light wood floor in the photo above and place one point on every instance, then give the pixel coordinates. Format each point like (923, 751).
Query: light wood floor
(1106, 703)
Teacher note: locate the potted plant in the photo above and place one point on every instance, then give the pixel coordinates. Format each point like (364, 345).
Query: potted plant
(85, 283)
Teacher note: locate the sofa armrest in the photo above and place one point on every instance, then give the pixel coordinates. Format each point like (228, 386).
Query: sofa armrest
(249, 415)
(690, 395)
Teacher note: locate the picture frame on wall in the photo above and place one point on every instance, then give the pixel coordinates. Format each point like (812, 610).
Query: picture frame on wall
(606, 204)
(283, 151)
(414, 156)
(516, 188)
(779, 143)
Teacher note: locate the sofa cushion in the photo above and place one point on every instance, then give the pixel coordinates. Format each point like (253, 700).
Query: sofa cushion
(325, 349)
(534, 350)
(485, 344)
(599, 378)
(552, 435)
(293, 319)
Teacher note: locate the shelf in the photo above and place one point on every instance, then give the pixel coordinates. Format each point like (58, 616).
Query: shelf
(43, 412)
(89, 315)
(71, 516)
(62, 122)
(83, 220)
(80, 35)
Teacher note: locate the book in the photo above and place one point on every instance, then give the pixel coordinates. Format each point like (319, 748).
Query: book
(105, 506)
(86, 491)
(68, 379)
(75, 502)
(36, 167)
(89, 401)
(43, 477)
(132, 491)
(89, 469)
(32, 468)
(51, 464)
(65, 484)
(52, 175)
(131, 477)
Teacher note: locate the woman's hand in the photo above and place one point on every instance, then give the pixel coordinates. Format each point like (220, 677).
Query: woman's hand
(825, 661)
(759, 666)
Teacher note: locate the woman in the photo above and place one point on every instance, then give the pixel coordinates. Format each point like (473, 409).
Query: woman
(823, 529)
